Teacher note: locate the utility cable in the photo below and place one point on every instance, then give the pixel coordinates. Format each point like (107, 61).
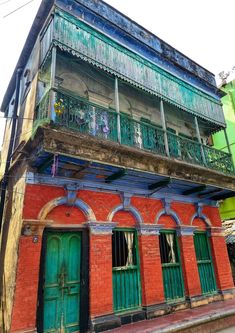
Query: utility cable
(3, 3)
(15, 10)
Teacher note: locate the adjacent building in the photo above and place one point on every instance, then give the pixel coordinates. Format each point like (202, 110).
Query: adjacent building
(110, 191)
(227, 206)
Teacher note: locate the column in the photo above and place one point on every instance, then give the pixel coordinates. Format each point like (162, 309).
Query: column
(200, 140)
(100, 284)
(221, 262)
(117, 110)
(189, 262)
(52, 114)
(163, 121)
(151, 269)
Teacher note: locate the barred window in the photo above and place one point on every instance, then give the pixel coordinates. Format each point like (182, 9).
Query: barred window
(168, 248)
(123, 248)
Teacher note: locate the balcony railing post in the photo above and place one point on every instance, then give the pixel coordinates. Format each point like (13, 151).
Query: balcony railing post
(200, 141)
(52, 114)
(229, 148)
(117, 110)
(163, 120)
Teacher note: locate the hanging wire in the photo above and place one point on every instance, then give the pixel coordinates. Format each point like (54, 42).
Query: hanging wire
(3, 3)
(15, 10)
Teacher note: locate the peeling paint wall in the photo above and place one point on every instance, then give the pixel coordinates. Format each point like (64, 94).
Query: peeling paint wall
(88, 82)
(13, 220)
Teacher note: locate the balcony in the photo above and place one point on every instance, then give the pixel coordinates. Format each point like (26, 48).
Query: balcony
(85, 117)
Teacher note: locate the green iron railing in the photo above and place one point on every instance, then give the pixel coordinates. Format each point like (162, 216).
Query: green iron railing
(86, 117)
(184, 149)
(218, 160)
(142, 135)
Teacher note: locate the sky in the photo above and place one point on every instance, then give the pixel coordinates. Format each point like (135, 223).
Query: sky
(201, 29)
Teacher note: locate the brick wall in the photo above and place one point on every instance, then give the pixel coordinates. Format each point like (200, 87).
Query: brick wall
(101, 292)
(151, 271)
(101, 302)
(25, 300)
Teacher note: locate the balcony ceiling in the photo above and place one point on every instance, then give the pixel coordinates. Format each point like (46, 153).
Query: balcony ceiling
(97, 176)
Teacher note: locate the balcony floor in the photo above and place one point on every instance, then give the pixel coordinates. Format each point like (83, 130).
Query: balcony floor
(102, 164)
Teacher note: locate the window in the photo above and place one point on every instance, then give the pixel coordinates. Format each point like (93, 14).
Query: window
(123, 245)
(168, 248)
(171, 266)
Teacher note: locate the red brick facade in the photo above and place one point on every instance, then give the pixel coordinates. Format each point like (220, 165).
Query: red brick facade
(100, 247)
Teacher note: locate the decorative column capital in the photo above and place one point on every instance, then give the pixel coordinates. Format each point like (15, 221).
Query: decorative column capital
(185, 230)
(101, 228)
(126, 199)
(216, 231)
(34, 227)
(149, 229)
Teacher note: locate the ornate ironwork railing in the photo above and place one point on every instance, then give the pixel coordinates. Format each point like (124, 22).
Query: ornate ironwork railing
(142, 135)
(184, 149)
(85, 117)
(218, 160)
(42, 109)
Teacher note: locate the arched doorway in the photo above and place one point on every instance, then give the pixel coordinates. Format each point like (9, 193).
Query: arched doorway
(64, 269)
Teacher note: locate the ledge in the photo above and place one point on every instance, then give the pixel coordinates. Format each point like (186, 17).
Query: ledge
(75, 144)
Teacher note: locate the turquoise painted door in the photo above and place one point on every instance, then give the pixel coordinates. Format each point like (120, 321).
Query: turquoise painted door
(171, 266)
(61, 292)
(204, 263)
(126, 276)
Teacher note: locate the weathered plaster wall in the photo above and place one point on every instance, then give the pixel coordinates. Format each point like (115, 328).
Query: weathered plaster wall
(86, 81)
(13, 221)
(27, 98)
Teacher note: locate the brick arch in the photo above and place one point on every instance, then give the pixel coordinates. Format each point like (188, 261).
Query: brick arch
(80, 204)
(203, 217)
(168, 212)
(129, 209)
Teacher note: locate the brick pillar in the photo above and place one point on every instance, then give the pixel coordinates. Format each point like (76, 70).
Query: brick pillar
(101, 290)
(26, 292)
(221, 262)
(189, 261)
(153, 298)
(150, 265)
(24, 309)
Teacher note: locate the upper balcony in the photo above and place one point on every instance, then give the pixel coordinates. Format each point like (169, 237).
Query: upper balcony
(78, 114)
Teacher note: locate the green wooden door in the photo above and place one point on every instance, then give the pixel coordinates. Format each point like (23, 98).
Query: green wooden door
(126, 275)
(171, 266)
(61, 292)
(204, 263)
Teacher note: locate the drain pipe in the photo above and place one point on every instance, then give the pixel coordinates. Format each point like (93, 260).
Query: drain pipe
(10, 148)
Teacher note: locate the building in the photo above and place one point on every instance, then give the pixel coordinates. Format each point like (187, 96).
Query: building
(110, 209)
(227, 206)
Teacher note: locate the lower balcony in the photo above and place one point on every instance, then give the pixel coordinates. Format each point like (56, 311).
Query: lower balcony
(80, 115)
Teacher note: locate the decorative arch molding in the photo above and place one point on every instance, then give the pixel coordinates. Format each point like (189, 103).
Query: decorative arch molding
(200, 215)
(169, 212)
(130, 209)
(80, 204)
